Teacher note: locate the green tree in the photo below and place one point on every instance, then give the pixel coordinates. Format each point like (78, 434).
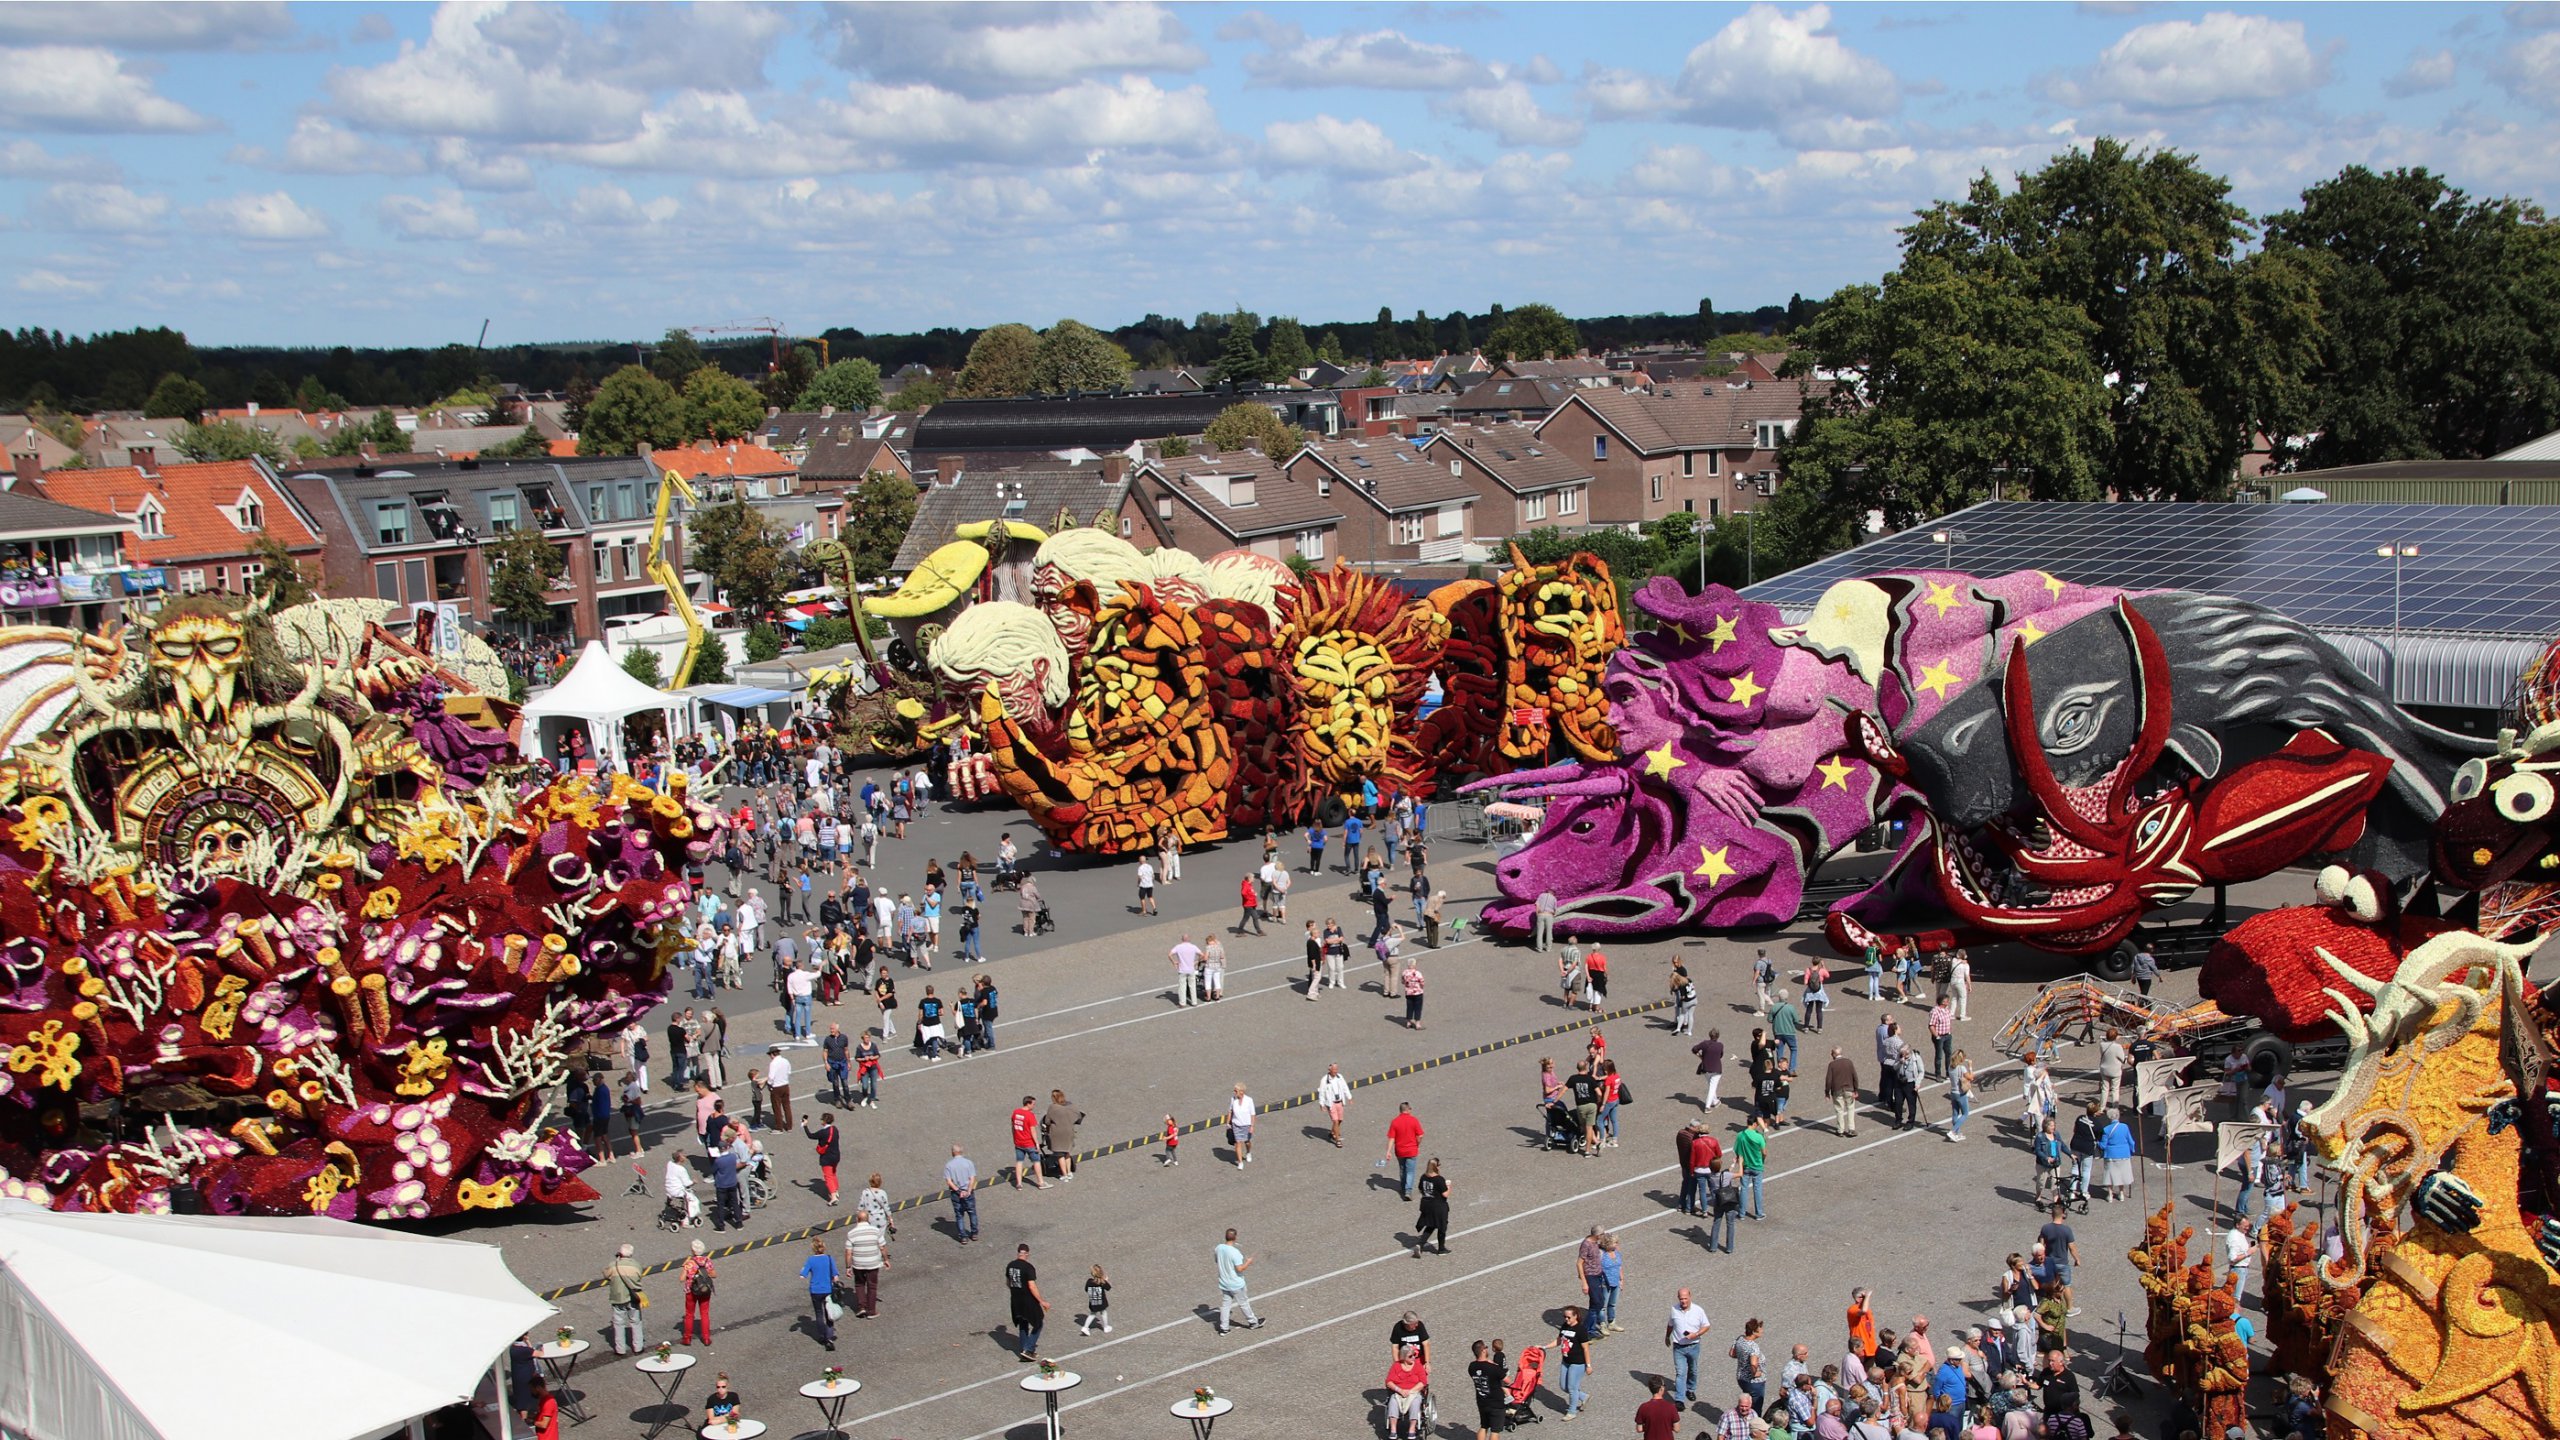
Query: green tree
(921, 394)
(710, 663)
(1533, 332)
(632, 408)
(1246, 423)
(826, 633)
(1460, 339)
(883, 508)
(677, 356)
(1174, 447)
(1426, 336)
(763, 643)
(228, 440)
(743, 553)
(847, 385)
(311, 396)
(786, 382)
(176, 398)
(641, 663)
(281, 580)
(385, 432)
(1329, 348)
(308, 447)
(1075, 356)
(528, 444)
(720, 406)
(1238, 361)
(2441, 319)
(1289, 350)
(522, 567)
(1707, 326)
(1386, 342)
(577, 395)
(1000, 362)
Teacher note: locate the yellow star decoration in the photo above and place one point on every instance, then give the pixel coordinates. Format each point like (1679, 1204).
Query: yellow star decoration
(1746, 688)
(1713, 865)
(1676, 628)
(1836, 773)
(1937, 677)
(1722, 632)
(1662, 762)
(2052, 585)
(2028, 632)
(1943, 598)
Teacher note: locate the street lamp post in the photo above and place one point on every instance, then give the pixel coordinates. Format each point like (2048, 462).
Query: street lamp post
(1946, 540)
(2397, 552)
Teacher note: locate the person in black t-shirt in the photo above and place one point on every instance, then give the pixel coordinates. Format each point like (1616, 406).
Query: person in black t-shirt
(1584, 1087)
(1410, 1330)
(1486, 1378)
(1434, 1215)
(1030, 1311)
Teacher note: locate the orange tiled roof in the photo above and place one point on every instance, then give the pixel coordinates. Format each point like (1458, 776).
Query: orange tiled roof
(564, 448)
(725, 461)
(196, 507)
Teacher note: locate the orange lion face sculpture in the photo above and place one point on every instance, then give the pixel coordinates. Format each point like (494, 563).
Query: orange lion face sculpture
(1359, 658)
(1560, 624)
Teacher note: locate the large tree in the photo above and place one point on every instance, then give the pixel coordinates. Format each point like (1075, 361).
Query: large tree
(677, 357)
(1247, 423)
(528, 444)
(787, 381)
(522, 566)
(2089, 334)
(1238, 361)
(632, 408)
(281, 580)
(999, 362)
(1533, 332)
(1074, 356)
(228, 440)
(743, 553)
(882, 510)
(2442, 333)
(847, 385)
(720, 406)
(1290, 352)
(175, 398)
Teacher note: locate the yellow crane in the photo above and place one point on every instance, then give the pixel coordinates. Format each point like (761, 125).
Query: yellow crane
(672, 486)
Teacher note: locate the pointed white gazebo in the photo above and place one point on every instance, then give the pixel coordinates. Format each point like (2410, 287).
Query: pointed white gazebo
(599, 696)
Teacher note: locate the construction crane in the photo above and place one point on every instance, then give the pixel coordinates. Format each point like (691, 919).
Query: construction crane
(671, 487)
(771, 329)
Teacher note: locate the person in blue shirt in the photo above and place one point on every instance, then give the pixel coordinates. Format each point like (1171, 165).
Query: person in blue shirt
(728, 1203)
(820, 1271)
(1351, 829)
(1368, 796)
(1315, 848)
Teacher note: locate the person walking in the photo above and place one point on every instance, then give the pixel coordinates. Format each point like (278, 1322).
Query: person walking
(1840, 1085)
(1724, 1203)
(1186, 971)
(1097, 1304)
(1058, 1133)
(1434, 1215)
(1942, 1037)
(1333, 1094)
(1404, 1145)
(1232, 1263)
(1593, 1275)
(2112, 1055)
(1573, 1354)
(1410, 983)
(1684, 1331)
(1960, 985)
(1817, 994)
(1710, 1053)
(728, 1203)
(1030, 1310)
(1240, 1112)
(839, 1052)
(830, 1150)
(698, 1277)
(1026, 1145)
(1750, 1366)
(1337, 955)
(622, 1295)
(1784, 1020)
(1751, 1148)
(884, 993)
(1960, 1088)
(960, 1184)
(1213, 969)
(866, 1254)
(819, 1270)
(1251, 894)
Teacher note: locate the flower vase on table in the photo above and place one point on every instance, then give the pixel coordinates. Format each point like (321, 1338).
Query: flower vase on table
(665, 1351)
(1048, 1369)
(565, 1335)
(833, 1375)
(1201, 1398)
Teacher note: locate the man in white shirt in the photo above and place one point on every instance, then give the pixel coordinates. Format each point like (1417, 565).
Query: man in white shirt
(2239, 1248)
(1960, 986)
(1682, 1332)
(1240, 1112)
(777, 1081)
(1186, 969)
(1333, 1093)
(884, 916)
(800, 984)
(1146, 887)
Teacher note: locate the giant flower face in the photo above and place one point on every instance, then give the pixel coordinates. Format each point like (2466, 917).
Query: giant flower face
(201, 657)
(1346, 685)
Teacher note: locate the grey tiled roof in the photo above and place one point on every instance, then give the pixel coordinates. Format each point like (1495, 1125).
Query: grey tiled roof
(942, 509)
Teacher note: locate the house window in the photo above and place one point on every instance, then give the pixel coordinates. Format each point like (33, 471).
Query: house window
(1164, 507)
(249, 514)
(386, 582)
(1770, 434)
(390, 525)
(1408, 529)
(546, 510)
(1714, 506)
(597, 510)
(97, 552)
(1125, 527)
(626, 496)
(414, 574)
(1568, 501)
(149, 521)
(1311, 544)
(190, 582)
(1240, 491)
(630, 559)
(249, 573)
(1599, 447)
(1688, 462)
(604, 563)
(1537, 507)
(1657, 486)
(1715, 462)
(502, 513)
(443, 521)
(1454, 470)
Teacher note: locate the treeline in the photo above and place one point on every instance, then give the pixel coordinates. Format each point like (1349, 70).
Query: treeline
(47, 370)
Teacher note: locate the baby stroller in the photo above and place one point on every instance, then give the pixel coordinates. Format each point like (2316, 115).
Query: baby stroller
(1517, 1396)
(1562, 1133)
(1041, 924)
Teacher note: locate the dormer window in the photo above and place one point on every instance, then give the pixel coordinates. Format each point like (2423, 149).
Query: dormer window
(150, 520)
(247, 513)
(1240, 490)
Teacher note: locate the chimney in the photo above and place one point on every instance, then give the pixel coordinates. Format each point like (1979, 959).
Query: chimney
(365, 452)
(28, 466)
(253, 409)
(1115, 468)
(946, 469)
(826, 412)
(142, 457)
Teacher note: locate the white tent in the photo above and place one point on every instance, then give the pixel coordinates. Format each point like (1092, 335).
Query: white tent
(597, 695)
(166, 1327)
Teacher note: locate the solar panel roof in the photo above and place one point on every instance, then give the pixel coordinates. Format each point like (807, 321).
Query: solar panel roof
(2478, 570)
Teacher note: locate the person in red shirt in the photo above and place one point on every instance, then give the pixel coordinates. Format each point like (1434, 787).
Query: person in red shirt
(1657, 1418)
(1705, 1153)
(1252, 898)
(542, 1408)
(1406, 1380)
(1862, 1324)
(1404, 1142)
(1026, 1144)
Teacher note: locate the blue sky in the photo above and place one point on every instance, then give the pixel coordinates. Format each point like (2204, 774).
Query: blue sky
(361, 174)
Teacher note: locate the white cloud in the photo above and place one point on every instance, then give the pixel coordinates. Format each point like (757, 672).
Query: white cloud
(274, 215)
(1364, 60)
(137, 25)
(1010, 49)
(703, 132)
(55, 283)
(1336, 147)
(1624, 94)
(1509, 113)
(64, 87)
(1767, 69)
(106, 209)
(2220, 59)
(907, 125)
(2427, 70)
(320, 146)
(27, 160)
(2530, 70)
(444, 215)
(1680, 170)
(612, 207)
(504, 72)
(474, 169)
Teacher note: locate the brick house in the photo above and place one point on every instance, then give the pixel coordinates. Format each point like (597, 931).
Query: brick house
(1234, 499)
(196, 521)
(1399, 508)
(1710, 446)
(1521, 482)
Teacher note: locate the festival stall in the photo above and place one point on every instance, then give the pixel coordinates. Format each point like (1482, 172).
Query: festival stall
(597, 698)
(136, 1327)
